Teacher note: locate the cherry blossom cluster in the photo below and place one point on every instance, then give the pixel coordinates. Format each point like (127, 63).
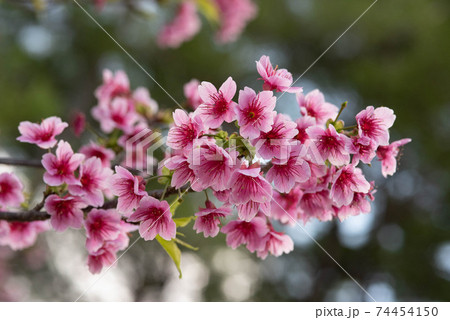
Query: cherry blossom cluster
(231, 16)
(260, 170)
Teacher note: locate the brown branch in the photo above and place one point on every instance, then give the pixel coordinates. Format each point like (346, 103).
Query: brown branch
(36, 215)
(21, 162)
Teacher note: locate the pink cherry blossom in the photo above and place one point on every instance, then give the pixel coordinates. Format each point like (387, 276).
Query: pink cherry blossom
(208, 219)
(96, 150)
(216, 106)
(360, 204)
(316, 204)
(330, 144)
(285, 206)
(275, 79)
(255, 112)
(388, 156)
(11, 190)
(313, 104)
(212, 165)
(101, 225)
(223, 195)
(234, 16)
(114, 85)
(285, 173)
(345, 183)
(43, 134)
(277, 243)
(94, 179)
(375, 124)
(247, 184)
(182, 172)
(248, 210)
(183, 27)
(21, 235)
(60, 168)
(251, 233)
(143, 102)
(65, 211)
(276, 142)
(155, 218)
(186, 129)
(130, 189)
(363, 149)
(304, 123)
(190, 90)
(119, 114)
(101, 258)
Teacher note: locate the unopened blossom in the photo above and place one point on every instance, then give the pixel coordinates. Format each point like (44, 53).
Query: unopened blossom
(247, 184)
(185, 25)
(94, 179)
(60, 168)
(208, 219)
(285, 206)
(156, 219)
(375, 124)
(345, 183)
(101, 225)
(95, 150)
(190, 91)
(314, 105)
(144, 104)
(275, 79)
(11, 190)
(362, 149)
(217, 105)
(388, 156)
(212, 165)
(65, 211)
(22, 235)
(255, 112)
(43, 134)
(119, 114)
(128, 188)
(233, 17)
(278, 140)
(285, 173)
(185, 130)
(304, 123)
(251, 233)
(114, 85)
(78, 123)
(330, 144)
(316, 204)
(277, 243)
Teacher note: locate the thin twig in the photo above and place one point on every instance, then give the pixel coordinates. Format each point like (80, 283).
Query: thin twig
(21, 162)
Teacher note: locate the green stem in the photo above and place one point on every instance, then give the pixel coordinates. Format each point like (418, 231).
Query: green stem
(343, 106)
(206, 194)
(164, 191)
(157, 177)
(349, 127)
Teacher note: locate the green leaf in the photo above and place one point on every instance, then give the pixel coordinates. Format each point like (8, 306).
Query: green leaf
(183, 222)
(165, 180)
(209, 9)
(172, 250)
(185, 244)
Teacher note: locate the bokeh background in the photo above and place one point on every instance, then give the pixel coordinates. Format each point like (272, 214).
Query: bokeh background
(396, 55)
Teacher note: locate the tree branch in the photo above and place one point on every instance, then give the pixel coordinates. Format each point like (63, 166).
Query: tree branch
(36, 215)
(21, 162)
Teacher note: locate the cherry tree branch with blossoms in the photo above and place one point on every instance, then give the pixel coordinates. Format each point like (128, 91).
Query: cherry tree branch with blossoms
(265, 171)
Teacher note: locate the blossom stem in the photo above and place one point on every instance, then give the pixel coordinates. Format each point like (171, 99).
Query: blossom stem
(206, 194)
(349, 127)
(164, 191)
(343, 106)
(157, 177)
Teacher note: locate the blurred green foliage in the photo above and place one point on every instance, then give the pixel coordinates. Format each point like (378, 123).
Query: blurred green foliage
(396, 55)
